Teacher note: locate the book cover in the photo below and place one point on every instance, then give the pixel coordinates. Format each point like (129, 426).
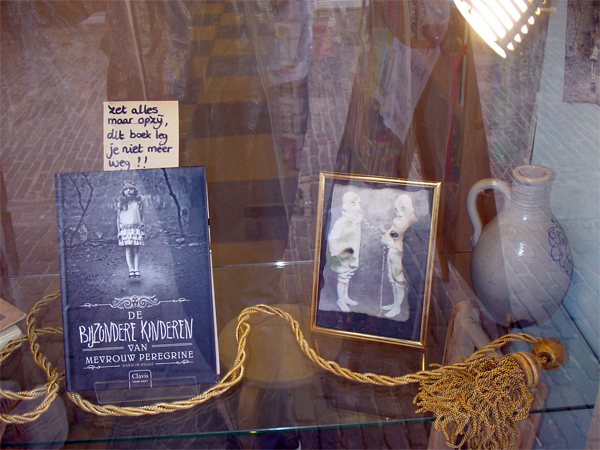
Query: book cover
(136, 278)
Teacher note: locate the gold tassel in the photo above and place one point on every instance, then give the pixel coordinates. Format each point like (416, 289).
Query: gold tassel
(480, 405)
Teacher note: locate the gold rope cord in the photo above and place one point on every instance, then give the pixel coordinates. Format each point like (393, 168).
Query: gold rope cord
(477, 400)
(50, 388)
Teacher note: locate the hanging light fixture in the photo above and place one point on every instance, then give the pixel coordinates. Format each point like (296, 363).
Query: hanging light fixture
(500, 23)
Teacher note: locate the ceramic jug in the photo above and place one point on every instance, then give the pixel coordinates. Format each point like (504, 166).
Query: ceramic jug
(521, 264)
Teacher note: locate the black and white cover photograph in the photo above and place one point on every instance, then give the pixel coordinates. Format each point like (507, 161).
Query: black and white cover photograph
(374, 257)
(136, 278)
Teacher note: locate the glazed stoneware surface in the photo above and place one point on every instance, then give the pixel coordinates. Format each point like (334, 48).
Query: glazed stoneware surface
(521, 265)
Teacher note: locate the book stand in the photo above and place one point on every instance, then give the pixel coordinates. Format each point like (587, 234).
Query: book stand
(141, 388)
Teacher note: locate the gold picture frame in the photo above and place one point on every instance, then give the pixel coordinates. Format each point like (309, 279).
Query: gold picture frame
(374, 255)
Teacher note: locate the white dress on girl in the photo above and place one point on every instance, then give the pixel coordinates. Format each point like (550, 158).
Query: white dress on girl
(131, 227)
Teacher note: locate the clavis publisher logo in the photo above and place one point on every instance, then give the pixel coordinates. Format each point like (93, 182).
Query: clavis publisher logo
(140, 379)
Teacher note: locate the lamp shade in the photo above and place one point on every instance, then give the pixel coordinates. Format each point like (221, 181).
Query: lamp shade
(500, 23)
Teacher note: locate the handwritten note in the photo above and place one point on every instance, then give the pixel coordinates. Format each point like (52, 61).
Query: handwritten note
(141, 135)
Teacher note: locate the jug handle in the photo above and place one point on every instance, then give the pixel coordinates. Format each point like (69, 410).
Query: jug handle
(480, 186)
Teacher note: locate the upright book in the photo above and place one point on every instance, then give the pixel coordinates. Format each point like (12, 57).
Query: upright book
(136, 278)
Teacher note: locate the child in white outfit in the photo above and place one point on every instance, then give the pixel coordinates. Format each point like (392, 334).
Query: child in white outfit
(344, 247)
(393, 238)
(130, 226)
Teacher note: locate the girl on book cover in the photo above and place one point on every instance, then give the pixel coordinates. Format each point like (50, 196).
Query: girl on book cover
(130, 225)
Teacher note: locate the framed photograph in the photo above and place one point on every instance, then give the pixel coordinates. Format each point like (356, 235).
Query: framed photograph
(374, 257)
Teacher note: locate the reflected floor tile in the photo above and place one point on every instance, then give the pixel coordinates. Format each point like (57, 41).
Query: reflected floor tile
(201, 48)
(211, 7)
(204, 33)
(231, 89)
(227, 119)
(231, 47)
(242, 30)
(232, 18)
(205, 19)
(222, 66)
